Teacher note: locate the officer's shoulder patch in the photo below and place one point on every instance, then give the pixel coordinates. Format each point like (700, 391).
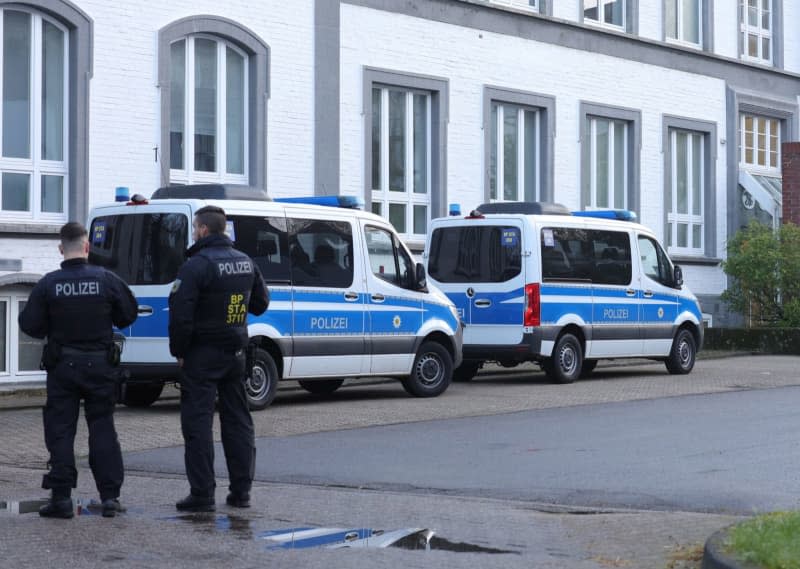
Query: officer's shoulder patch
(175, 286)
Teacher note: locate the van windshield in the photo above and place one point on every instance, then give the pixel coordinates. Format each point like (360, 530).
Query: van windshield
(142, 249)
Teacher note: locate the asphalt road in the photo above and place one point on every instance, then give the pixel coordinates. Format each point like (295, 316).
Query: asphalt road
(734, 452)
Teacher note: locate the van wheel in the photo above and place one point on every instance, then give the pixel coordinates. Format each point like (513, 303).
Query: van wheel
(321, 386)
(682, 356)
(262, 383)
(565, 365)
(141, 394)
(467, 370)
(431, 373)
(588, 368)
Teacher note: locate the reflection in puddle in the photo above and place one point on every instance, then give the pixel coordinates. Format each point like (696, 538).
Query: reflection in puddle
(240, 527)
(22, 506)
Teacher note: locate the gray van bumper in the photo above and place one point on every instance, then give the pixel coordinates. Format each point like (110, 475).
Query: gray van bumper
(526, 350)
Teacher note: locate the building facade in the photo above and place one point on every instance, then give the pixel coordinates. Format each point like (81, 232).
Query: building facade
(673, 108)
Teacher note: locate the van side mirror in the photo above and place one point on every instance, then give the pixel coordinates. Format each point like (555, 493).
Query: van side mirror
(677, 277)
(420, 281)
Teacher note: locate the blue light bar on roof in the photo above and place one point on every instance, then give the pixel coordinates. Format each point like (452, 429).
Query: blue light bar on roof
(350, 202)
(620, 214)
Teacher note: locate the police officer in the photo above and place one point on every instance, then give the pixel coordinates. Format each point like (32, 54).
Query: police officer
(208, 306)
(75, 308)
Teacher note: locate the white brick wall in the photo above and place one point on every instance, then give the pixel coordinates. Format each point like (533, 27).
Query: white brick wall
(470, 59)
(39, 256)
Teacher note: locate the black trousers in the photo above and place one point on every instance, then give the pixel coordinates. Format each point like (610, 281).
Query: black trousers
(208, 372)
(91, 378)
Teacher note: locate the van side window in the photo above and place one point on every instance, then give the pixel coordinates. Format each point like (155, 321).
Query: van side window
(142, 249)
(481, 254)
(387, 259)
(655, 263)
(321, 253)
(586, 255)
(266, 241)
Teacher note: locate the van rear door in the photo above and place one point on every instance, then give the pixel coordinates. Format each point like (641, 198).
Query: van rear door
(144, 245)
(479, 267)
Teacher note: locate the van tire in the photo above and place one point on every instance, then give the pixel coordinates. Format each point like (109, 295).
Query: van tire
(683, 353)
(321, 386)
(431, 373)
(141, 394)
(261, 385)
(565, 365)
(467, 370)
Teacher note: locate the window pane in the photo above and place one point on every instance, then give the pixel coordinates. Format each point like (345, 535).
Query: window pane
(493, 154)
(16, 84)
(669, 234)
(612, 12)
(381, 254)
(420, 219)
(397, 141)
(3, 338)
(697, 236)
(234, 115)
(601, 166)
(510, 153)
(671, 18)
(762, 142)
(531, 149)
(690, 21)
(52, 92)
(53, 194)
(752, 13)
(590, 9)
(29, 349)
(681, 173)
(765, 48)
(619, 164)
(397, 216)
(420, 144)
(16, 192)
(376, 208)
(683, 235)
(376, 139)
(697, 174)
(205, 105)
(752, 45)
(765, 19)
(177, 100)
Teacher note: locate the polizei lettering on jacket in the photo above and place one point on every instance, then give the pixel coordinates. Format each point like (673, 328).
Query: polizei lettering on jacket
(79, 288)
(234, 268)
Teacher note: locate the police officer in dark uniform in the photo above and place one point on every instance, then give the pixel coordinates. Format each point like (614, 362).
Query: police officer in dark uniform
(75, 308)
(208, 306)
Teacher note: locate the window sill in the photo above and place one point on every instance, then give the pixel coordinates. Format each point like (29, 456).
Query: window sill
(48, 229)
(689, 260)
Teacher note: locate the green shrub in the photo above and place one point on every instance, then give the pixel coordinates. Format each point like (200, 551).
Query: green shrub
(764, 266)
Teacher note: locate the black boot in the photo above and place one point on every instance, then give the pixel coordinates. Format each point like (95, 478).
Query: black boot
(192, 503)
(111, 507)
(238, 499)
(59, 506)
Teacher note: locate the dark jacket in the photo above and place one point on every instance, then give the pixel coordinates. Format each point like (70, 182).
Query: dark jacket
(215, 289)
(77, 305)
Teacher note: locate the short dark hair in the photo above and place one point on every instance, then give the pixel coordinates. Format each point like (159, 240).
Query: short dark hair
(212, 217)
(71, 234)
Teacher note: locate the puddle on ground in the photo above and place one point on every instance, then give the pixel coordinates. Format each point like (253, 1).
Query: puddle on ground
(415, 539)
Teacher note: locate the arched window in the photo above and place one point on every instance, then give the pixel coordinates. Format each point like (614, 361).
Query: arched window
(213, 79)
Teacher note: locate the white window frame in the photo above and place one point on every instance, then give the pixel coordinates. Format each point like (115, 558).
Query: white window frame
(600, 22)
(188, 175)
(409, 198)
(754, 166)
(500, 149)
(679, 21)
(613, 125)
(745, 30)
(12, 300)
(523, 4)
(673, 217)
(36, 166)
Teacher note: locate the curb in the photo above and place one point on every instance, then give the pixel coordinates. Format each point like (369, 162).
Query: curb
(715, 558)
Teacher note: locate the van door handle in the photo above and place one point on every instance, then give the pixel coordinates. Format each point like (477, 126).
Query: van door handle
(145, 310)
(630, 292)
(483, 303)
(648, 294)
(378, 298)
(351, 296)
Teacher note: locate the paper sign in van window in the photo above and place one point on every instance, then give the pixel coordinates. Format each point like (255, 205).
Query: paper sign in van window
(99, 232)
(229, 231)
(547, 237)
(510, 237)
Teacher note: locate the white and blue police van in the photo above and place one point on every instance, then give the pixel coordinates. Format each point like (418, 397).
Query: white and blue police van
(537, 282)
(346, 297)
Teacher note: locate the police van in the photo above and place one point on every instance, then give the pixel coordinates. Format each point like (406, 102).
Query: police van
(346, 297)
(536, 282)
